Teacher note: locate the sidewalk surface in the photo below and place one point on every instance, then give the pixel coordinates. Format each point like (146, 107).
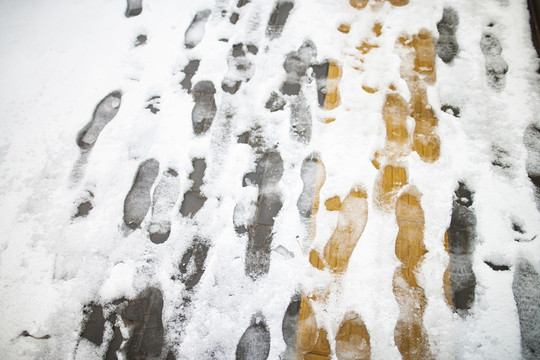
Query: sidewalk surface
(285, 179)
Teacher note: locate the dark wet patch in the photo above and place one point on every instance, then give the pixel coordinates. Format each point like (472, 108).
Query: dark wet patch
(242, 3)
(276, 102)
(144, 316)
(452, 110)
(496, 66)
(141, 40)
(238, 50)
(190, 70)
(195, 32)
(134, 8)
(27, 334)
(84, 208)
(193, 198)
(252, 49)
(231, 87)
(223, 40)
(526, 288)
(255, 342)
(278, 18)
(192, 265)
(447, 46)
(517, 228)
(137, 202)
(461, 243)
(234, 18)
(104, 112)
(153, 104)
(321, 74)
(497, 267)
(300, 120)
(115, 344)
(205, 108)
(94, 326)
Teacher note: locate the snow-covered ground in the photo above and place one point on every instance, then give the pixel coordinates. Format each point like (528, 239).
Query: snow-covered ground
(128, 177)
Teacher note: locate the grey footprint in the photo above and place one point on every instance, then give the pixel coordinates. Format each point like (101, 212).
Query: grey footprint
(308, 173)
(205, 108)
(195, 32)
(526, 288)
(190, 70)
(193, 198)
(295, 65)
(255, 342)
(447, 46)
(240, 68)
(267, 175)
(104, 112)
(289, 326)
(138, 200)
(278, 18)
(134, 8)
(321, 75)
(192, 265)
(532, 144)
(461, 243)
(164, 198)
(496, 66)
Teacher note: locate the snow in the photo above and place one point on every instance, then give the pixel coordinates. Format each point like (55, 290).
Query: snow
(59, 60)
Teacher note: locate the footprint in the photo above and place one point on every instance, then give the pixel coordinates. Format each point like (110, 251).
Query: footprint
(391, 180)
(311, 341)
(134, 8)
(192, 265)
(105, 111)
(295, 65)
(141, 40)
(138, 201)
(234, 18)
(352, 339)
(242, 3)
(352, 220)
(531, 139)
(267, 176)
(193, 198)
(313, 176)
(526, 288)
(241, 69)
(460, 241)
(205, 108)
(195, 32)
(190, 70)
(321, 74)
(165, 195)
(496, 67)
(301, 122)
(276, 102)
(358, 4)
(143, 316)
(255, 342)
(115, 344)
(288, 327)
(278, 19)
(409, 334)
(447, 46)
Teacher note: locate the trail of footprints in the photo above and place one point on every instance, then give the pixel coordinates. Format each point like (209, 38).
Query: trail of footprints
(303, 336)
